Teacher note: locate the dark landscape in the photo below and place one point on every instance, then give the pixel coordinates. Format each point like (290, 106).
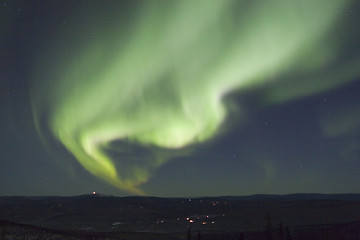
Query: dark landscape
(96, 216)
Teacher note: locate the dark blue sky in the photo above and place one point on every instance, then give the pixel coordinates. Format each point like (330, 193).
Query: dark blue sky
(309, 143)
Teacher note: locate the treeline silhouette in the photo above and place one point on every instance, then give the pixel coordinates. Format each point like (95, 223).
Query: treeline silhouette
(346, 231)
(281, 235)
(11, 231)
(272, 231)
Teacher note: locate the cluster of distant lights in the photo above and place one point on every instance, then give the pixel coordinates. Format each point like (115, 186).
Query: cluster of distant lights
(192, 219)
(203, 219)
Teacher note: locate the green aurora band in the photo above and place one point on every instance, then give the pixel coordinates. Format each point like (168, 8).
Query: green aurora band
(158, 83)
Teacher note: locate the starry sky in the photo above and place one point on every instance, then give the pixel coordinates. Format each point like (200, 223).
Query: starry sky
(179, 98)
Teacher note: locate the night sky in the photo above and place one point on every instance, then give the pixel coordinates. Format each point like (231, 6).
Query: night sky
(179, 98)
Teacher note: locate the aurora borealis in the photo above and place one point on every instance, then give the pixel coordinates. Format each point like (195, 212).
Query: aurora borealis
(152, 96)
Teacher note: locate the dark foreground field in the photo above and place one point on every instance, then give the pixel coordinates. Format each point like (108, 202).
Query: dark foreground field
(299, 216)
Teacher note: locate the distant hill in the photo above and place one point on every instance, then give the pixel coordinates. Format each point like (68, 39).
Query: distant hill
(296, 196)
(101, 213)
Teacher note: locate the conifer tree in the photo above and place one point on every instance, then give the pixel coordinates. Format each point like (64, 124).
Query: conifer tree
(268, 228)
(199, 236)
(2, 233)
(281, 232)
(288, 236)
(189, 234)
